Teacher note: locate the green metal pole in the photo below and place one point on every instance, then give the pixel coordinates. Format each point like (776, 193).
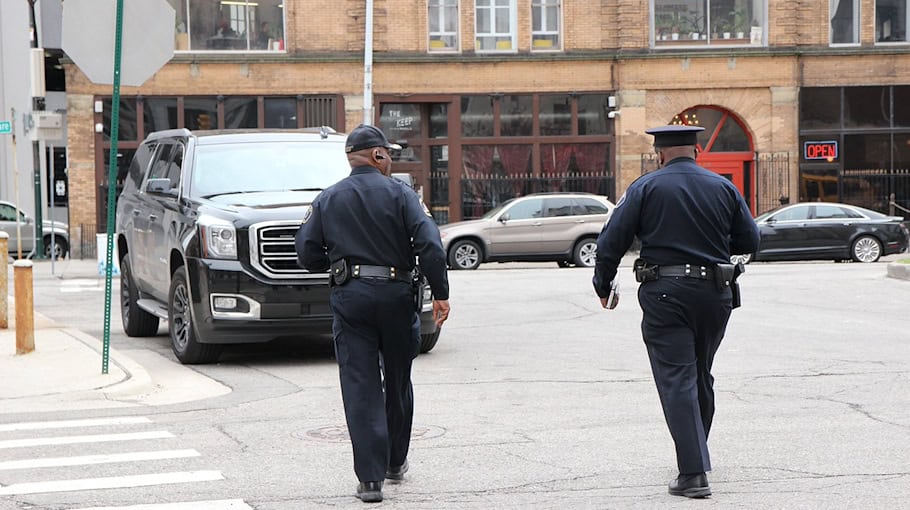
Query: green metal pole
(112, 188)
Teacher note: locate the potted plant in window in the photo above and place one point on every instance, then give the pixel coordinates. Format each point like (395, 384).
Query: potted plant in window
(755, 34)
(741, 20)
(676, 24)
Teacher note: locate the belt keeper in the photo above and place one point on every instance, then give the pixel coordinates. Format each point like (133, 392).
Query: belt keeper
(704, 272)
(688, 269)
(357, 270)
(392, 272)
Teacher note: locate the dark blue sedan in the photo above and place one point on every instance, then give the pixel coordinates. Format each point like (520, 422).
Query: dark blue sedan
(827, 231)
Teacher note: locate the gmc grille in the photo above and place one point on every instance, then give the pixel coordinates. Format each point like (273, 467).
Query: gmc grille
(272, 250)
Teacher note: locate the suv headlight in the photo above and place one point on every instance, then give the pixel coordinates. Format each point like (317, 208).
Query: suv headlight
(219, 239)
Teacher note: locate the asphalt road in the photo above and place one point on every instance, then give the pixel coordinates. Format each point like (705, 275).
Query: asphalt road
(535, 397)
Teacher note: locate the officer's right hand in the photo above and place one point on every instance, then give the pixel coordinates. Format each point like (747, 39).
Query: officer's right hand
(440, 311)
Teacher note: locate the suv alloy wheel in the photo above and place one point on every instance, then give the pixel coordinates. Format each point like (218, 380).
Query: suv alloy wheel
(136, 321)
(180, 325)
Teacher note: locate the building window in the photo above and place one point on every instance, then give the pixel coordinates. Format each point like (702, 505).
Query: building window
(443, 20)
(229, 25)
(708, 22)
(495, 23)
(844, 21)
(546, 25)
(891, 20)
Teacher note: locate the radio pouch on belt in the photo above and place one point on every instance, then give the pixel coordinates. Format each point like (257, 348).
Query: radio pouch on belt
(417, 283)
(340, 273)
(644, 272)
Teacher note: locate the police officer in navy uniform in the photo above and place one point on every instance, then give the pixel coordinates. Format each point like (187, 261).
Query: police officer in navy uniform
(689, 221)
(366, 229)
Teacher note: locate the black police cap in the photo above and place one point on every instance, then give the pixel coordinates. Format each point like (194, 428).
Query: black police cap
(365, 136)
(673, 136)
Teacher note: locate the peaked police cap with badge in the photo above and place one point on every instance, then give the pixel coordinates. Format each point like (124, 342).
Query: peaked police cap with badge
(365, 136)
(674, 136)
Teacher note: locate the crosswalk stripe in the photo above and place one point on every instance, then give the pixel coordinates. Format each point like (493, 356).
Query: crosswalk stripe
(97, 438)
(86, 460)
(93, 422)
(221, 504)
(114, 482)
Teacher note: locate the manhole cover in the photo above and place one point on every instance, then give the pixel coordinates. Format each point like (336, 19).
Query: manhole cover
(339, 433)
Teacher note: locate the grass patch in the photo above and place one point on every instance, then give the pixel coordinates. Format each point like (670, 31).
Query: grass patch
(903, 261)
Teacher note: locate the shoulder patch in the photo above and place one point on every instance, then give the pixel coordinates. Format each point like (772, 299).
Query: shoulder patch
(621, 200)
(307, 213)
(426, 209)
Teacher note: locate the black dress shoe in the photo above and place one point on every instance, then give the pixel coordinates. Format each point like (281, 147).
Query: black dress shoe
(397, 472)
(369, 492)
(691, 486)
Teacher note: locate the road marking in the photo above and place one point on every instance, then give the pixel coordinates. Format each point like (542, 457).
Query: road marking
(97, 438)
(114, 482)
(221, 504)
(93, 422)
(79, 285)
(86, 460)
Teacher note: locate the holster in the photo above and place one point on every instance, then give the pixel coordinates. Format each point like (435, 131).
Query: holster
(725, 276)
(340, 273)
(645, 272)
(417, 283)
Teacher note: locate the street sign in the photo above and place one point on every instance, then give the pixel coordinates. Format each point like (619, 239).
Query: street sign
(148, 38)
(6, 127)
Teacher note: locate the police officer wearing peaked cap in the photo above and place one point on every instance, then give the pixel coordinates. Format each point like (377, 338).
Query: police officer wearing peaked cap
(689, 221)
(366, 229)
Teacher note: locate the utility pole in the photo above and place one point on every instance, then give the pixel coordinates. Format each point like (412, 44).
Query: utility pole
(37, 106)
(368, 67)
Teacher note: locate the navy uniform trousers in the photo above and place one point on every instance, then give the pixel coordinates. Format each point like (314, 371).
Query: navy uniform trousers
(377, 337)
(683, 322)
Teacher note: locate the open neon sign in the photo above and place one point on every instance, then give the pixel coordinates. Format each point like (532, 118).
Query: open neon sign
(820, 150)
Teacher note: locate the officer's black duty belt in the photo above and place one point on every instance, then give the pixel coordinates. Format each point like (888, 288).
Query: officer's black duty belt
(383, 272)
(687, 271)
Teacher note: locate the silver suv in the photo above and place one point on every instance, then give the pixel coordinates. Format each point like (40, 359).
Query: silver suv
(560, 227)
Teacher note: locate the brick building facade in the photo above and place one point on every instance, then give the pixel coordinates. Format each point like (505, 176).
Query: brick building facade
(517, 98)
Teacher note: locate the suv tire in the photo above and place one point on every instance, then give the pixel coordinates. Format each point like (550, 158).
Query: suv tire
(586, 252)
(465, 254)
(58, 249)
(136, 321)
(184, 341)
(428, 341)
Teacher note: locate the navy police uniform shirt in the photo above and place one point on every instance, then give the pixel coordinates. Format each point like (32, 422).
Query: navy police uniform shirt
(370, 219)
(682, 214)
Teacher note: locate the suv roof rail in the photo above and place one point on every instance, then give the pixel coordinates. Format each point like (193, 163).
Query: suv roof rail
(169, 133)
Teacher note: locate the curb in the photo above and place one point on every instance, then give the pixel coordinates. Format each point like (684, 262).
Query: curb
(899, 271)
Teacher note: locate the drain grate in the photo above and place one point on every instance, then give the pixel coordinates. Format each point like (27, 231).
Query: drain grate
(339, 433)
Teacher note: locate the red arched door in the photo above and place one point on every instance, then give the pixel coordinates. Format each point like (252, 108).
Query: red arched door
(725, 145)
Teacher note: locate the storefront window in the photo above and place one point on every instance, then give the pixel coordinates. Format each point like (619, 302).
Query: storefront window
(592, 115)
(241, 113)
(439, 120)
(546, 25)
(844, 21)
(443, 20)
(280, 112)
(555, 115)
(127, 128)
(818, 185)
(819, 108)
(575, 164)
(516, 116)
(867, 107)
(236, 25)
(891, 20)
(200, 113)
(477, 116)
(400, 121)
(495, 22)
(902, 106)
(159, 113)
(708, 22)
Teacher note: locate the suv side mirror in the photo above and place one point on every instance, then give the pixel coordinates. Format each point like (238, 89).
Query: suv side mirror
(504, 218)
(159, 186)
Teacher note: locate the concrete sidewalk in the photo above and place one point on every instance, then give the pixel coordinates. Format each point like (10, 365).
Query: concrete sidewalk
(64, 372)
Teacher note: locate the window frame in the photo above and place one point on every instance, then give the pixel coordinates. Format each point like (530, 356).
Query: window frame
(543, 5)
(857, 24)
(442, 33)
(906, 39)
(239, 12)
(513, 26)
(709, 41)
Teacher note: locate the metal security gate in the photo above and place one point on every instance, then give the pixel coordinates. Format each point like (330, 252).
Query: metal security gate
(772, 181)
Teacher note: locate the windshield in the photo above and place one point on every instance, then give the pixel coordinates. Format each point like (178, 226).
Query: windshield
(267, 166)
(496, 210)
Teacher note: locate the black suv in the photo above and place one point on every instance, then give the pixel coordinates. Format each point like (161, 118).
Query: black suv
(205, 238)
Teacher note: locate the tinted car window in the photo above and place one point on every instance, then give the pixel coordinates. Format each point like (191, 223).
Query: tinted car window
(850, 213)
(526, 209)
(827, 212)
(160, 163)
(7, 213)
(173, 170)
(558, 206)
(793, 214)
(591, 206)
(267, 166)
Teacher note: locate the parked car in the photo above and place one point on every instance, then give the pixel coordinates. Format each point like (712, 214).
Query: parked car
(560, 227)
(827, 231)
(205, 238)
(60, 245)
